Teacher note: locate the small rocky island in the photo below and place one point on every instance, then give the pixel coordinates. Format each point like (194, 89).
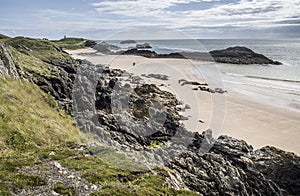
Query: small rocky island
(240, 55)
(231, 55)
(143, 46)
(128, 42)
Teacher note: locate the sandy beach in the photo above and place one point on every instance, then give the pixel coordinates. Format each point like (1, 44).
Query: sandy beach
(231, 113)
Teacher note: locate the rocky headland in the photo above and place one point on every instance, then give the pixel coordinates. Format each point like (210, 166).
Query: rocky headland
(123, 114)
(232, 55)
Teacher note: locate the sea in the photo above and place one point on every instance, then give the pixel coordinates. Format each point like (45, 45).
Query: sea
(277, 85)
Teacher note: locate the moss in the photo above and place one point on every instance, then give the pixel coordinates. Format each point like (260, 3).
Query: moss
(22, 180)
(147, 184)
(4, 190)
(16, 140)
(118, 160)
(94, 169)
(156, 144)
(61, 189)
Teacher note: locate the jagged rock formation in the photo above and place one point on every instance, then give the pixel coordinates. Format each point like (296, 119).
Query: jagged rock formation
(232, 167)
(7, 64)
(281, 167)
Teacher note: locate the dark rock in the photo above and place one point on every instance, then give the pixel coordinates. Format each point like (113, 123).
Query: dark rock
(60, 83)
(281, 167)
(90, 43)
(105, 48)
(227, 169)
(143, 46)
(240, 55)
(144, 53)
(128, 42)
(157, 76)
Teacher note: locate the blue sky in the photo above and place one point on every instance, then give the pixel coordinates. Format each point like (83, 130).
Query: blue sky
(103, 19)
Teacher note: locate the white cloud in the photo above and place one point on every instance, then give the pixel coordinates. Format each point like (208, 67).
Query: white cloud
(110, 16)
(244, 12)
(139, 8)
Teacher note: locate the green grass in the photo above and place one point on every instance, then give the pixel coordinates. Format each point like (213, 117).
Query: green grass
(147, 184)
(43, 50)
(117, 160)
(61, 189)
(28, 118)
(23, 180)
(71, 43)
(30, 63)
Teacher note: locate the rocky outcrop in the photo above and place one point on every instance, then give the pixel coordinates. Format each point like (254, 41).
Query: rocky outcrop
(7, 64)
(231, 167)
(281, 167)
(59, 83)
(90, 43)
(148, 113)
(143, 46)
(105, 48)
(240, 55)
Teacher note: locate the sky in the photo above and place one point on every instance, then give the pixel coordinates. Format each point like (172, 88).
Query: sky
(146, 19)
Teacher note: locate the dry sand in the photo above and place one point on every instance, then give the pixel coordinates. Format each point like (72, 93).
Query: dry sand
(230, 114)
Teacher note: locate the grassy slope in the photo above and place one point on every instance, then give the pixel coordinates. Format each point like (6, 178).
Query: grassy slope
(33, 54)
(28, 118)
(71, 43)
(31, 128)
